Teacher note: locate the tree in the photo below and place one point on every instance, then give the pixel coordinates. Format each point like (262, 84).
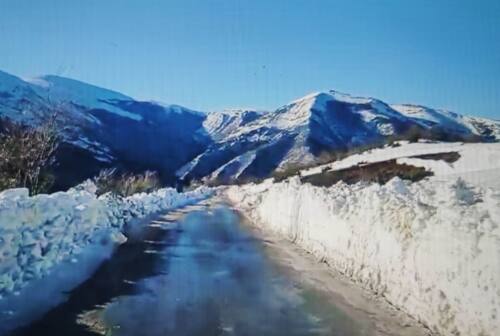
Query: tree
(26, 154)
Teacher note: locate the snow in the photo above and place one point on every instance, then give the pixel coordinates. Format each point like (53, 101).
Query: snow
(40, 295)
(234, 168)
(101, 152)
(65, 90)
(333, 94)
(478, 162)
(178, 109)
(430, 248)
(231, 123)
(220, 125)
(427, 117)
(300, 111)
(41, 234)
(9, 82)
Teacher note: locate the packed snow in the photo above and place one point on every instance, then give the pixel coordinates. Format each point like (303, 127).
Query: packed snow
(430, 248)
(40, 234)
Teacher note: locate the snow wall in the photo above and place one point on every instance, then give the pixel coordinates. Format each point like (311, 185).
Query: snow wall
(430, 248)
(39, 232)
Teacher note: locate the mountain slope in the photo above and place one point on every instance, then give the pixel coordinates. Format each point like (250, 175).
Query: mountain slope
(450, 121)
(102, 128)
(312, 129)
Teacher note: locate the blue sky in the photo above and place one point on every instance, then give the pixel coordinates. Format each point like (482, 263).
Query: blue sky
(210, 54)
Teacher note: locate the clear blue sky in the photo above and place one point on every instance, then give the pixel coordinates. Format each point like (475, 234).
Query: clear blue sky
(209, 54)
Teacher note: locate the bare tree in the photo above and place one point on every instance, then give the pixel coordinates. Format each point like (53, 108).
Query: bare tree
(26, 154)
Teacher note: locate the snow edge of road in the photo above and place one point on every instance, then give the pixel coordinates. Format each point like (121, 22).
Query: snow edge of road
(49, 244)
(428, 248)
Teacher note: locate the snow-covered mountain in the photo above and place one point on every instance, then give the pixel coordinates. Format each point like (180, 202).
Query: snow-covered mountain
(450, 121)
(307, 131)
(104, 128)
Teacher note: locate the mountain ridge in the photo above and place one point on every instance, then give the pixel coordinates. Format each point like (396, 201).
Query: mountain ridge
(107, 128)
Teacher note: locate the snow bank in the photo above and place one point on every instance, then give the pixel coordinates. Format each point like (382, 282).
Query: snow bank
(39, 232)
(430, 248)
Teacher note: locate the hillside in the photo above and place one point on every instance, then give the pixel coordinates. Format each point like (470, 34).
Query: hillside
(103, 128)
(316, 129)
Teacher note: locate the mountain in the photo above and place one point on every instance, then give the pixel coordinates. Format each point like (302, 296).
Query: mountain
(450, 121)
(310, 130)
(103, 128)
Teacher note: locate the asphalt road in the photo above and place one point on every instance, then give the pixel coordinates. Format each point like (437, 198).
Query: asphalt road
(199, 271)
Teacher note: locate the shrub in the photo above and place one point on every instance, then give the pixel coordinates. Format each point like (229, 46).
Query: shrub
(282, 175)
(26, 155)
(126, 184)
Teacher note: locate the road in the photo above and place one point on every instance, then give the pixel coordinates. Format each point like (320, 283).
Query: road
(201, 271)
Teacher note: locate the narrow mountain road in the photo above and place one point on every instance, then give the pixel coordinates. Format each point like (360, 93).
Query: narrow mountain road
(202, 271)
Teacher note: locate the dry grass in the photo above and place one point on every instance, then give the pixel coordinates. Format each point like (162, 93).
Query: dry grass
(126, 184)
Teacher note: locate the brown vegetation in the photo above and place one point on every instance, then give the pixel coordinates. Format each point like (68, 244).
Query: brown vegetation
(379, 172)
(448, 157)
(126, 184)
(26, 154)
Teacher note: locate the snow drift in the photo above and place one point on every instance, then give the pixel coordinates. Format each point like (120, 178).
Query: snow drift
(430, 248)
(39, 232)
(49, 244)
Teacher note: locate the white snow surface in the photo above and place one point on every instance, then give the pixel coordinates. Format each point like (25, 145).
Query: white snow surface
(431, 248)
(427, 117)
(235, 167)
(39, 233)
(65, 90)
(479, 163)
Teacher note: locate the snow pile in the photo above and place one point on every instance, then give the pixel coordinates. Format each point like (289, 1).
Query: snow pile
(431, 248)
(39, 232)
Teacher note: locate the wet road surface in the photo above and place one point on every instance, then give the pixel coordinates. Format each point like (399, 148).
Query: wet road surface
(196, 271)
